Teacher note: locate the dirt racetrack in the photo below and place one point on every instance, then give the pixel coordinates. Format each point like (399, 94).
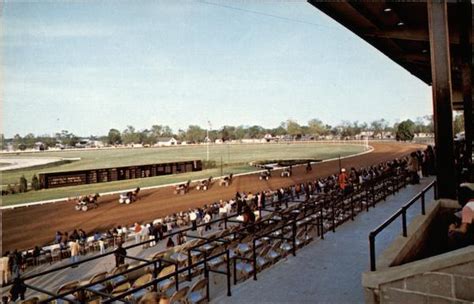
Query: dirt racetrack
(23, 228)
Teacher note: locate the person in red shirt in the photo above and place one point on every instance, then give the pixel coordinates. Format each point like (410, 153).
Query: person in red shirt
(137, 229)
(342, 179)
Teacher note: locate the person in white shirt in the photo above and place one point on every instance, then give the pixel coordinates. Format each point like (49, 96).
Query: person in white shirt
(222, 213)
(193, 219)
(228, 207)
(462, 234)
(207, 218)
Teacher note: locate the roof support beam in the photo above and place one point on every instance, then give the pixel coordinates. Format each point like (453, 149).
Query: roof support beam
(411, 34)
(442, 106)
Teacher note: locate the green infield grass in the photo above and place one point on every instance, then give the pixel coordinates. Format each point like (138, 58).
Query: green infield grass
(234, 158)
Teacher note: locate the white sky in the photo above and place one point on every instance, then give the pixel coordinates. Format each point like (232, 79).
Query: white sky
(88, 66)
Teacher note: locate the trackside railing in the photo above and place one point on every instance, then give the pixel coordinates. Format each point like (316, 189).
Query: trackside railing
(403, 213)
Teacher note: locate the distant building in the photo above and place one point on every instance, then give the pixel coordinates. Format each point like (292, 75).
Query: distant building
(422, 135)
(166, 142)
(269, 138)
(89, 143)
(39, 146)
(308, 137)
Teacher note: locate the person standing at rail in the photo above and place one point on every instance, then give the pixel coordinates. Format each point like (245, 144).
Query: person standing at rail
(75, 248)
(193, 219)
(137, 229)
(120, 254)
(342, 179)
(4, 269)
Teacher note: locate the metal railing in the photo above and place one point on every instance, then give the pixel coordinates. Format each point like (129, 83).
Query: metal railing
(324, 211)
(403, 213)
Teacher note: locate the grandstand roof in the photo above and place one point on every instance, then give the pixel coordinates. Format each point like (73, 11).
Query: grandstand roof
(400, 31)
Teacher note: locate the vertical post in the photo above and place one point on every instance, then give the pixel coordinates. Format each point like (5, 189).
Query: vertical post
(333, 217)
(155, 274)
(293, 226)
(321, 223)
(367, 196)
(227, 255)
(423, 212)
(318, 226)
(189, 265)
(372, 251)
(176, 276)
(206, 274)
(254, 260)
(404, 221)
(442, 106)
(373, 194)
(235, 271)
(340, 164)
(352, 207)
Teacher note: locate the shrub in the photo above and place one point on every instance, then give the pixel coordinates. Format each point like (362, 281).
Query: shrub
(35, 182)
(209, 164)
(23, 184)
(10, 189)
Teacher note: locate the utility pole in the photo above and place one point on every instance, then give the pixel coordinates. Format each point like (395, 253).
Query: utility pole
(340, 165)
(209, 126)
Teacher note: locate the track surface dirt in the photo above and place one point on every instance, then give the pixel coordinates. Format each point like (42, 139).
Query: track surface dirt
(25, 227)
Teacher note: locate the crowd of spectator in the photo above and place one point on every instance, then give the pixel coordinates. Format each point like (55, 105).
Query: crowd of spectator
(246, 205)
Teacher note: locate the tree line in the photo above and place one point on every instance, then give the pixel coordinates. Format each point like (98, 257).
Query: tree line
(404, 130)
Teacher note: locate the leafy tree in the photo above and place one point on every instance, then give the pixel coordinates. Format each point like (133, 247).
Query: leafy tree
(147, 137)
(281, 130)
(67, 138)
(35, 182)
(114, 137)
(213, 135)
(17, 141)
(240, 132)
(195, 134)
(167, 132)
(293, 128)
(405, 130)
(378, 126)
(316, 127)
(255, 132)
(29, 140)
(130, 136)
(429, 123)
(181, 135)
(48, 141)
(227, 133)
(351, 129)
(23, 184)
(157, 130)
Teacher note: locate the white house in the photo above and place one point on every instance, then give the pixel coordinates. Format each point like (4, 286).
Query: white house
(269, 138)
(421, 135)
(166, 142)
